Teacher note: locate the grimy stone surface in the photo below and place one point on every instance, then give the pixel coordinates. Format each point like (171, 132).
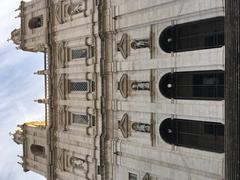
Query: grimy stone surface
(89, 133)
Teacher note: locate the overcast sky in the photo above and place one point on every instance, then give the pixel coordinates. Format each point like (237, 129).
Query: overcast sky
(19, 87)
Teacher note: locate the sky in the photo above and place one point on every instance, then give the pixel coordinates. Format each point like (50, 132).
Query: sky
(19, 88)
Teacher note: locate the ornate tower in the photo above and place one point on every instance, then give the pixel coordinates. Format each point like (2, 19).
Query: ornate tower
(33, 137)
(32, 35)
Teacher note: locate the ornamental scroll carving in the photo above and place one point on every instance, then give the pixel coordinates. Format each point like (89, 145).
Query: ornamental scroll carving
(66, 9)
(77, 162)
(61, 55)
(61, 86)
(60, 159)
(62, 118)
(76, 9)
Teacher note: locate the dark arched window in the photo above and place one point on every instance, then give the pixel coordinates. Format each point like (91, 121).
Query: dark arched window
(199, 85)
(36, 22)
(208, 136)
(37, 150)
(196, 35)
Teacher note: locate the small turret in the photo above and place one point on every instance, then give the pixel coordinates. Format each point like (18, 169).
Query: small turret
(31, 35)
(33, 138)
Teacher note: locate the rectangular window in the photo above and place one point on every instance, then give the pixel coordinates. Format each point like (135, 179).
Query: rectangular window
(132, 176)
(80, 119)
(203, 135)
(79, 86)
(79, 53)
(199, 85)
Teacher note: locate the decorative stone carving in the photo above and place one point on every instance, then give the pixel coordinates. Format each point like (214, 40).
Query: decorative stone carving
(61, 86)
(123, 46)
(147, 177)
(16, 36)
(62, 14)
(17, 136)
(124, 126)
(89, 41)
(61, 117)
(141, 86)
(58, 9)
(139, 44)
(64, 10)
(60, 159)
(77, 162)
(141, 127)
(61, 54)
(75, 9)
(123, 85)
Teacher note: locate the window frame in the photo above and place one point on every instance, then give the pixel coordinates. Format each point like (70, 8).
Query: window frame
(31, 23)
(70, 90)
(78, 48)
(35, 150)
(193, 134)
(81, 115)
(170, 87)
(91, 119)
(174, 39)
(132, 173)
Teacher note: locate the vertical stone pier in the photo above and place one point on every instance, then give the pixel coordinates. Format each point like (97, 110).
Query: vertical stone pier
(232, 90)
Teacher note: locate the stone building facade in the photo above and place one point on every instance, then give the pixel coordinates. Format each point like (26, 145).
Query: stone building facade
(134, 89)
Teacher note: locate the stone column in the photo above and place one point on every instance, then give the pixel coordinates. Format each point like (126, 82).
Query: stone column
(232, 90)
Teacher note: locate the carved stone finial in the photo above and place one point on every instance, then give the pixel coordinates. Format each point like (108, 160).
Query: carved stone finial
(42, 72)
(42, 101)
